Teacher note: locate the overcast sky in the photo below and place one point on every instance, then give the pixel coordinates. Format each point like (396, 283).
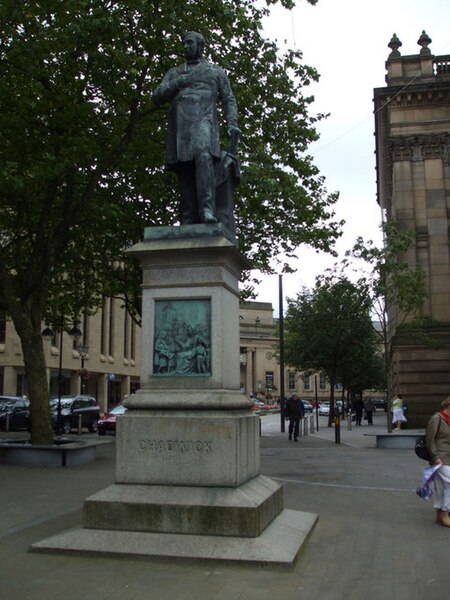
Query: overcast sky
(346, 41)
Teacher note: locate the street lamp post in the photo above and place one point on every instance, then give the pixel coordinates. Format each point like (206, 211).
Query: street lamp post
(83, 351)
(48, 335)
(281, 331)
(316, 400)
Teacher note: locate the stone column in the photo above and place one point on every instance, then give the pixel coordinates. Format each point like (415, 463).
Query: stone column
(249, 372)
(102, 392)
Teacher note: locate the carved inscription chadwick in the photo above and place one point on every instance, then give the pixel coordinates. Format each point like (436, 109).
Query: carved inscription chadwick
(176, 446)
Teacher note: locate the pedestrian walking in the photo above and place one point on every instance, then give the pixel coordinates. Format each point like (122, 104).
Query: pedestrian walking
(369, 408)
(438, 446)
(359, 408)
(295, 411)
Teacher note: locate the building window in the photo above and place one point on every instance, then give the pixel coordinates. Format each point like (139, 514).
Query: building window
(85, 328)
(291, 380)
(21, 385)
(307, 382)
(76, 341)
(54, 385)
(103, 329)
(126, 333)
(323, 381)
(133, 340)
(111, 328)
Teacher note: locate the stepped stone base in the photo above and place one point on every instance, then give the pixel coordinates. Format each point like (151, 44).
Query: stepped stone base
(278, 545)
(245, 511)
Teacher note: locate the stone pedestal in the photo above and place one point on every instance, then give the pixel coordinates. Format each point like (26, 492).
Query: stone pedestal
(187, 471)
(187, 447)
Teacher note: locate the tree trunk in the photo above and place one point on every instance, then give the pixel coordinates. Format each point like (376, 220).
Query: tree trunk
(331, 415)
(36, 373)
(28, 326)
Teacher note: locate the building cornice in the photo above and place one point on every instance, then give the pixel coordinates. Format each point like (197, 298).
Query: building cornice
(419, 147)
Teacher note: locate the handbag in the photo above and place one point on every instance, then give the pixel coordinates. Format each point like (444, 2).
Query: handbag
(420, 448)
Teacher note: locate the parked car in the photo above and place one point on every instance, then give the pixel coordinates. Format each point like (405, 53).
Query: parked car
(324, 409)
(14, 413)
(72, 407)
(308, 406)
(107, 424)
(379, 404)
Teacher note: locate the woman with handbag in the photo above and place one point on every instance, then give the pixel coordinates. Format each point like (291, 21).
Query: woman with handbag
(438, 445)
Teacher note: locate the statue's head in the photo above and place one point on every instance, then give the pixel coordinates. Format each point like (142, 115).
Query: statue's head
(194, 44)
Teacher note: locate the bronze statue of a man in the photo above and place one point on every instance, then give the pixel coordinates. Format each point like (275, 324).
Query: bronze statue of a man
(193, 144)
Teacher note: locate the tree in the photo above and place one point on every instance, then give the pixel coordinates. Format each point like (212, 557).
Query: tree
(329, 329)
(396, 288)
(364, 367)
(82, 151)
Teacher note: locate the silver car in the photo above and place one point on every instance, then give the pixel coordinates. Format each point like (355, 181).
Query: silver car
(324, 409)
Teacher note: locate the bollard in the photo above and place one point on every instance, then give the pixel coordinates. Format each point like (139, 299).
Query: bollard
(7, 422)
(79, 425)
(311, 424)
(305, 425)
(337, 429)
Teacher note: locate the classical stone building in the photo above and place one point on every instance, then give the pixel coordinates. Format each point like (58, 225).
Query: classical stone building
(104, 362)
(412, 130)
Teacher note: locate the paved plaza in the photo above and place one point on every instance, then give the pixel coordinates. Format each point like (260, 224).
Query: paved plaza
(375, 538)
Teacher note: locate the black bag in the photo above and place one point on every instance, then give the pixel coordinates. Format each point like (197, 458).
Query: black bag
(420, 448)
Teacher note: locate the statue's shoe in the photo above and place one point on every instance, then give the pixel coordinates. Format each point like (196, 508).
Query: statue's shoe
(208, 217)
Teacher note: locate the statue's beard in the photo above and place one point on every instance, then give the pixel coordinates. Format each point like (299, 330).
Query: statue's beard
(196, 56)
